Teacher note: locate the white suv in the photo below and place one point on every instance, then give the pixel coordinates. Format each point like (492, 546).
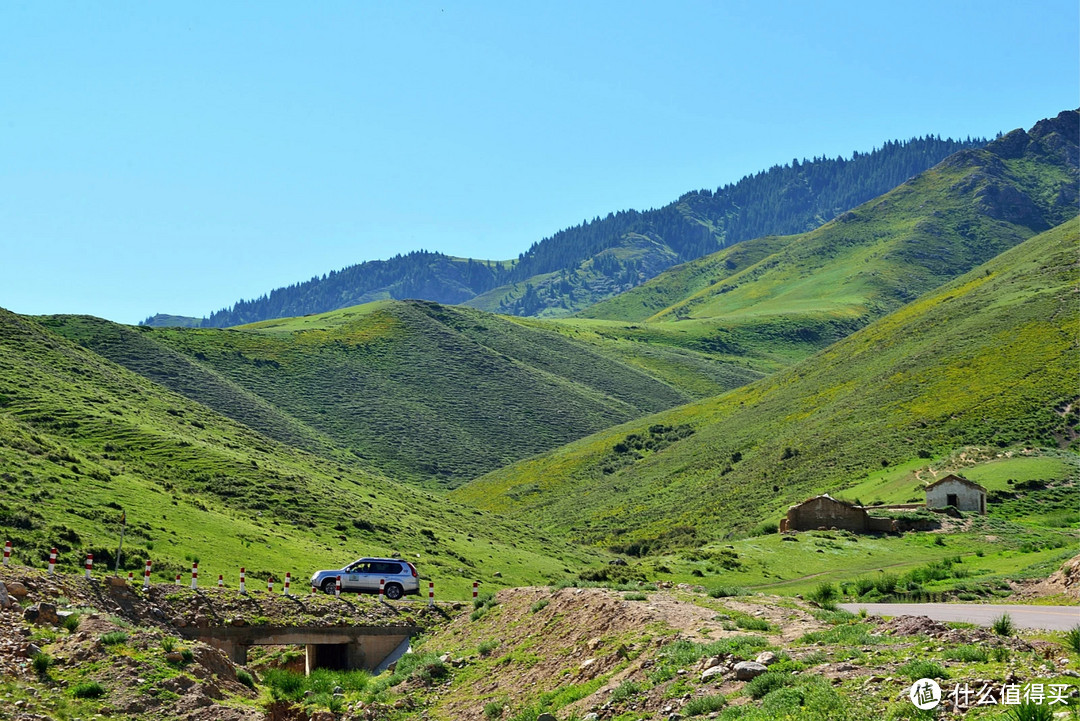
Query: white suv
(362, 576)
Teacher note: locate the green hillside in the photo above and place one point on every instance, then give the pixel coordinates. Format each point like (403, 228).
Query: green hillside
(418, 391)
(777, 298)
(82, 438)
(598, 259)
(989, 359)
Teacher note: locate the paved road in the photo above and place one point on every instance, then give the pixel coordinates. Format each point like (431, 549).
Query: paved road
(1053, 618)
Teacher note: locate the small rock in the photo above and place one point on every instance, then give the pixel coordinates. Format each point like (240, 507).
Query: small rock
(174, 657)
(17, 589)
(5, 600)
(594, 716)
(710, 672)
(746, 670)
(546, 717)
(586, 663)
(179, 622)
(116, 581)
(766, 658)
(594, 643)
(497, 574)
(32, 650)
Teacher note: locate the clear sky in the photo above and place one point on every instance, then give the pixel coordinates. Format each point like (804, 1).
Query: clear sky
(176, 157)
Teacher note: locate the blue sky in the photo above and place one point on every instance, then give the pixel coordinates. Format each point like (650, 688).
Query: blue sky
(178, 157)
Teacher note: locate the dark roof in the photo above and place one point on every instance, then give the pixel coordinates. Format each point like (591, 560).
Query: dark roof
(959, 479)
(827, 497)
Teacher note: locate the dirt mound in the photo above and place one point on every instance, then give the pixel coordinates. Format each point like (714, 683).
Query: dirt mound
(1067, 579)
(914, 626)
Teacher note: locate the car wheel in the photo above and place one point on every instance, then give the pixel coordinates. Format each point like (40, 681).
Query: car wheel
(393, 591)
(328, 585)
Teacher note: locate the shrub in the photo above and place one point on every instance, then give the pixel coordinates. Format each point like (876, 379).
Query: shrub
(863, 585)
(245, 677)
(886, 583)
(1031, 712)
(432, 670)
(968, 654)
(726, 591)
(624, 691)
(1000, 654)
(71, 623)
(766, 683)
(1003, 625)
(704, 704)
(635, 597)
(187, 655)
(42, 663)
(921, 668)
(88, 689)
(485, 648)
(752, 624)
(1072, 639)
(493, 710)
(113, 638)
(824, 594)
(284, 685)
(168, 644)
(539, 605)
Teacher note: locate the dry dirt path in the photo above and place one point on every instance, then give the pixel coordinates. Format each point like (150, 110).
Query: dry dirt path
(1052, 618)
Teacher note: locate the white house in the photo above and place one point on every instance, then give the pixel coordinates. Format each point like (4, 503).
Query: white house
(958, 492)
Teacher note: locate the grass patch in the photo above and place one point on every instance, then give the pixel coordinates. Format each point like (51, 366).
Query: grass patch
(921, 668)
(88, 689)
(704, 704)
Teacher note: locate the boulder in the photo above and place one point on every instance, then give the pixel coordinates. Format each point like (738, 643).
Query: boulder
(5, 600)
(16, 589)
(116, 581)
(546, 717)
(766, 658)
(42, 613)
(746, 670)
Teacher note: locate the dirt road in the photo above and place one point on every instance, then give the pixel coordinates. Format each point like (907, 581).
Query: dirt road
(1053, 618)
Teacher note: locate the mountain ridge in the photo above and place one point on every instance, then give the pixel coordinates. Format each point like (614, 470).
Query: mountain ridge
(596, 259)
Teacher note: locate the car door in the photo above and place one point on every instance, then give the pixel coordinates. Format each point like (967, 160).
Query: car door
(383, 570)
(354, 577)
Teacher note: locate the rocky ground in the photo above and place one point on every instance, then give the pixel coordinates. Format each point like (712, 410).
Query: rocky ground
(71, 648)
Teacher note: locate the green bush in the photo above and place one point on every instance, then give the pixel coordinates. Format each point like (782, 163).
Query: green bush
(42, 662)
(968, 654)
(88, 689)
(71, 623)
(485, 648)
(824, 595)
(539, 605)
(886, 583)
(1031, 712)
(635, 597)
(1003, 625)
(494, 710)
(284, 685)
(1072, 639)
(767, 683)
(625, 691)
(752, 624)
(187, 654)
(113, 638)
(168, 644)
(704, 704)
(863, 585)
(245, 677)
(921, 668)
(726, 591)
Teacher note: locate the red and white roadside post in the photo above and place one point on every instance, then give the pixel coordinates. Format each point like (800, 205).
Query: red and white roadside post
(337, 588)
(475, 589)
(131, 577)
(146, 576)
(243, 590)
(7, 553)
(431, 593)
(194, 574)
(288, 582)
(270, 584)
(89, 564)
(220, 581)
(178, 578)
(52, 562)
(382, 590)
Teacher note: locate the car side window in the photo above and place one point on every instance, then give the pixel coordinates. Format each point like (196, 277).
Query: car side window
(359, 568)
(387, 569)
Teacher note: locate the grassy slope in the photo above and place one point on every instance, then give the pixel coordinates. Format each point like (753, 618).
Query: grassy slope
(986, 359)
(777, 300)
(416, 390)
(81, 437)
